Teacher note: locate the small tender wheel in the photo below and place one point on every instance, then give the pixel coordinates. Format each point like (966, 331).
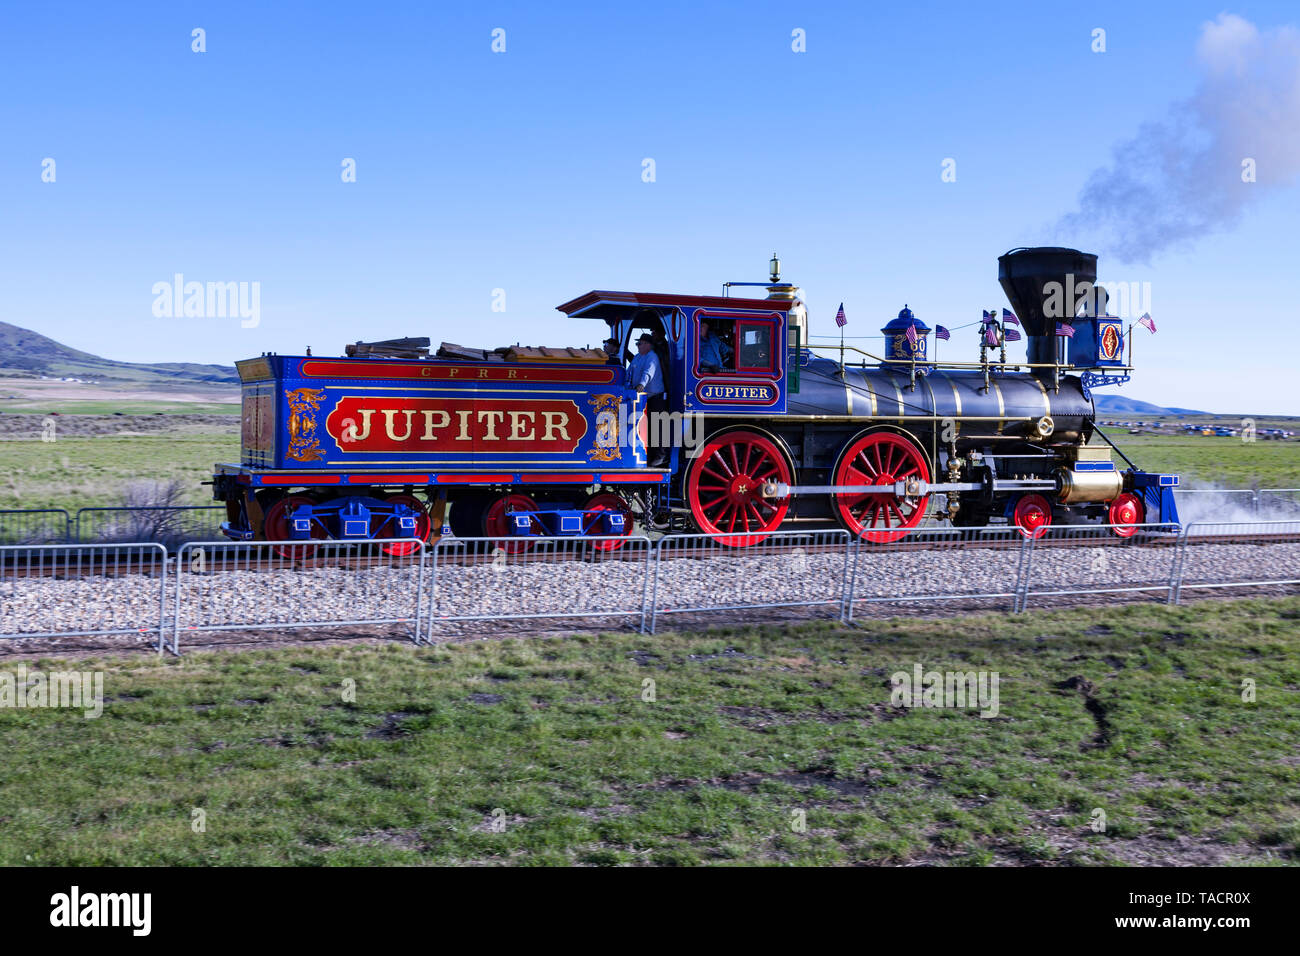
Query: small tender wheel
(466, 517)
(1125, 514)
(880, 458)
(386, 527)
(606, 501)
(277, 524)
(1032, 515)
(496, 520)
(725, 483)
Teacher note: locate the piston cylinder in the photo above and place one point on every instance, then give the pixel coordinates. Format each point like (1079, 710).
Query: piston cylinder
(1074, 487)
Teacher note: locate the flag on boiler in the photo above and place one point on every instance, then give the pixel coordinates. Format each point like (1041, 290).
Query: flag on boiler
(1066, 330)
(1148, 322)
(840, 320)
(911, 335)
(941, 333)
(1008, 317)
(991, 335)
(1012, 335)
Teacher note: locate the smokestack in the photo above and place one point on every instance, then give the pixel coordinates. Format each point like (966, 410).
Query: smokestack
(1025, 276)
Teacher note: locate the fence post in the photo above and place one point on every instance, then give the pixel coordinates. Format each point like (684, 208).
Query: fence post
(654, 593)
(176, 610)
(852, 544)
(645, 588)
(433, 594)
(419, 591)
(1022, 574)
(162, 600)
(1174, 571)
(1176, 585)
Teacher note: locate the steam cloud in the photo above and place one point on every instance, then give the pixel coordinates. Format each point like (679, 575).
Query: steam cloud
(1182, 177)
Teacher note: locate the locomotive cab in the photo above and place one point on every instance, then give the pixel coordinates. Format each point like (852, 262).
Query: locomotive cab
(754, 378)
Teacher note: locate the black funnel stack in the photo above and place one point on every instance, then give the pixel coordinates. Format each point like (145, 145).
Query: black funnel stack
(1024, 275)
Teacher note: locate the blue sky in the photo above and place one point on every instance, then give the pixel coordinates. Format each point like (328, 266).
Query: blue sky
(522, 171)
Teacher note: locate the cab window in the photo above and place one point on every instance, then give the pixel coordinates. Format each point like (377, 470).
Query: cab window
(722, 330)
(754, 346)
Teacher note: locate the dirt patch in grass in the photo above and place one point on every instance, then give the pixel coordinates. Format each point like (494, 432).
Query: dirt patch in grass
(1088, 691)
(390, 728)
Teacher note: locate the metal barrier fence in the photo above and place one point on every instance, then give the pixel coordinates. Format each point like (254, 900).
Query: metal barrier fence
(490, 579)
(1237, 555)
(90, 589)
(1092, 559)
(64, 590)
(34, 526)
(258, 585)
(937, 565)
(774, 570)
(170, 526)
(1285, 500)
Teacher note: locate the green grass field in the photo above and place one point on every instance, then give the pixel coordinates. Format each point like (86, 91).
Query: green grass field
(96, 407)
(553, 740)
(75, 473)
(1228, 462)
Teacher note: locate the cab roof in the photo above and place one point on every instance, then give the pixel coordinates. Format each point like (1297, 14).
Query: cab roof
(599, 304)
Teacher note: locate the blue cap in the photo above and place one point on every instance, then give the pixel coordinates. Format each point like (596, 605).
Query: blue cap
(906, 318)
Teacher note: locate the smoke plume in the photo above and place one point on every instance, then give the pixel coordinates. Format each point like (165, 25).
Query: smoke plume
(1189, 174)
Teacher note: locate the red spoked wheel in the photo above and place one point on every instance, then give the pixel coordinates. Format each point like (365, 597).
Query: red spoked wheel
(276, 527)
(606, 501)
(880, 458)
(1125, 514)
(496, 520)
(385, 526)
(725, 488)
(1032, 515)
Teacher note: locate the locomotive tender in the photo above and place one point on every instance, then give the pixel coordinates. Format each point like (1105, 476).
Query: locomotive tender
(524, 442)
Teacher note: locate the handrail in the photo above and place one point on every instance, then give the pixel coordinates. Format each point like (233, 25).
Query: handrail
(927, 364)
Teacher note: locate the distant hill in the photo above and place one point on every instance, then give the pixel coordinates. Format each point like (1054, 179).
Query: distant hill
(1118, 404)
(22, 350)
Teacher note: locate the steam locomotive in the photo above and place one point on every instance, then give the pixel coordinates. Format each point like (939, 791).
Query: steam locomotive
(520, 442)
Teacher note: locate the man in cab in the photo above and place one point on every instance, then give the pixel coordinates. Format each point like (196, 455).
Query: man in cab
(646, 375)
(715, 354)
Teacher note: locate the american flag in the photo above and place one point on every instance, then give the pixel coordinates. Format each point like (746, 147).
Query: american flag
(1064, 329)
(1008, 317)
(840, 320)
(991, 335)
(1012, 335)
(1148, 322)
(911, 335)
(988, 317)
(941, 333)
